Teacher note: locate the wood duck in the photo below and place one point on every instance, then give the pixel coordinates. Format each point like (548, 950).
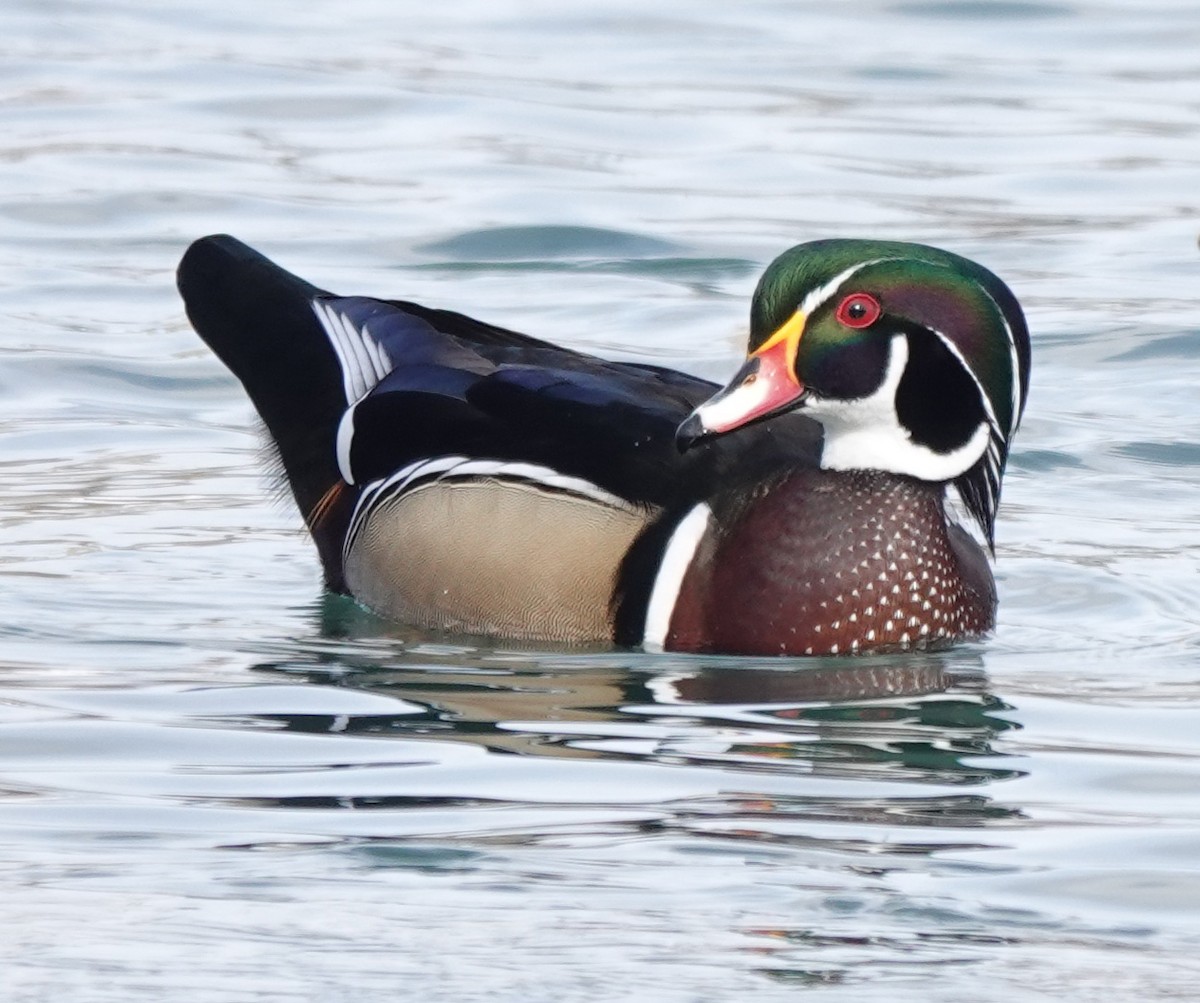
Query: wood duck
(459, 476)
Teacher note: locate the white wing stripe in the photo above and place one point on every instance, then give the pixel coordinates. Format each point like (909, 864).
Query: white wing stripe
(331, 322)
(383, 365)
(364, 367)
(359, 363)
(363, 361)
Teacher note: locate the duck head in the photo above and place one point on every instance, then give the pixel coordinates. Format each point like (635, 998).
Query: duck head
(914, 360)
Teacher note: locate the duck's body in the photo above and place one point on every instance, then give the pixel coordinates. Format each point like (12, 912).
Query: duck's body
(457, 475)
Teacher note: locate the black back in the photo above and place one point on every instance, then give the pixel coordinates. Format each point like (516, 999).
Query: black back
(457, 386)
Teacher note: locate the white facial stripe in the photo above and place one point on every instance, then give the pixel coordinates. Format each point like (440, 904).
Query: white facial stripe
(821, 294)
(364, 362)
(1015, 363)
(983, 397)
(866, 434)
(677, 557)
(996, 440)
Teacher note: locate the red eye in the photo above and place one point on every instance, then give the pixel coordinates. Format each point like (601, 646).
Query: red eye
(859, 310)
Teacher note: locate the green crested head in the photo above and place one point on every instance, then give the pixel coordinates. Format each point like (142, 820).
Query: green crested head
(811, 266)
(914, 359)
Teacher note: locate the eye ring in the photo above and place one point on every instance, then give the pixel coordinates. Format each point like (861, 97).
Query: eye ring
(859, 310)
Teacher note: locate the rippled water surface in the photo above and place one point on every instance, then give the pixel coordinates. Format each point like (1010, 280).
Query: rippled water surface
(217, 784)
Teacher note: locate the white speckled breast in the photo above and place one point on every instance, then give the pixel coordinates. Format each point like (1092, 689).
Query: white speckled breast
(828, 562)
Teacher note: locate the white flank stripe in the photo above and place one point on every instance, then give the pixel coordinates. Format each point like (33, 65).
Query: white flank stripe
(539, 475)
(372, 492)
(677, 558)
(460, 466)
(423, 468)
(443, 467)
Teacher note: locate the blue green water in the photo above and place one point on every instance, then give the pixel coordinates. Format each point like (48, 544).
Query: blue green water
(217, 784)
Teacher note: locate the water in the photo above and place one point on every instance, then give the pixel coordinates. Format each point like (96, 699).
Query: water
(216, 784)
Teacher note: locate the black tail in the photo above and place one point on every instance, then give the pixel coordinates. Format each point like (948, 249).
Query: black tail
(259, 321)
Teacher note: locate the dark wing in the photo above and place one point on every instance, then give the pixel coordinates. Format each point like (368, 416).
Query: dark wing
(610, 423)
(353, 389)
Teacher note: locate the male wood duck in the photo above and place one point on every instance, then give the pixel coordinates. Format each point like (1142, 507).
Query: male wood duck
(456, 475)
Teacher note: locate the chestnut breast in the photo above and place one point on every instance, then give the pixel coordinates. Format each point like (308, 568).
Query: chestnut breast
(830, 562)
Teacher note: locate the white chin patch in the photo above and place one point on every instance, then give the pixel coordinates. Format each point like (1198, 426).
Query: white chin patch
(866, 434)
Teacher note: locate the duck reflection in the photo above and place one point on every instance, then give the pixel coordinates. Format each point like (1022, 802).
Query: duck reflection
(926, 718)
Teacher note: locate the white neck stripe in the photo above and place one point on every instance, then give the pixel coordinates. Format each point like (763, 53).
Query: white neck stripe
(677, 557)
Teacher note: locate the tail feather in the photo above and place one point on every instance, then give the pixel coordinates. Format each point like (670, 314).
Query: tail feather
(259, 320)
